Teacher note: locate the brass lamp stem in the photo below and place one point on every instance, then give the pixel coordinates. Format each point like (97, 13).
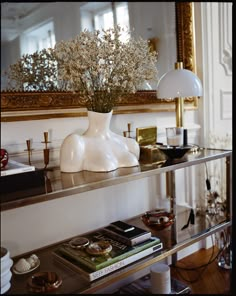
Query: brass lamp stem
(179, 110)
(179, 103)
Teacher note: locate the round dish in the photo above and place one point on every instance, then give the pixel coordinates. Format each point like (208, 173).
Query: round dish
(78, 242)
(173, 152)
(27, 271)
(158, 220)
(44, 282)
(99, 248)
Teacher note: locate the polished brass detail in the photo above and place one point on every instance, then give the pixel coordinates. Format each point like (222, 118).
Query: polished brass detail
(128, 132)
(29, 150)
(185, 35)
(53, 101)
(179, 103)
(46, 150)
(146, 135)
(149, 151)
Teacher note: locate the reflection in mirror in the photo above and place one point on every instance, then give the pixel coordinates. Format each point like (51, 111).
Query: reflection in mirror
(21, 32)
(37, 27)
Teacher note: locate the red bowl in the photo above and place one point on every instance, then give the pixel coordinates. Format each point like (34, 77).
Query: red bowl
(4, 158)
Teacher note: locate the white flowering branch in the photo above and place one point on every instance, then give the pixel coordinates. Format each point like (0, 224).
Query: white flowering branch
(102, 68)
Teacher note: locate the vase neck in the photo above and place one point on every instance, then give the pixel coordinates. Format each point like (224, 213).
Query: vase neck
(99, 123)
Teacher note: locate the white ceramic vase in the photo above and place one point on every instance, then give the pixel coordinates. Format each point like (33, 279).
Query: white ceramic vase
(98, 149)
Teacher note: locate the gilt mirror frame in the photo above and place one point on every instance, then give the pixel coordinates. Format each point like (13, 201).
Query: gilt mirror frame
(22, 106)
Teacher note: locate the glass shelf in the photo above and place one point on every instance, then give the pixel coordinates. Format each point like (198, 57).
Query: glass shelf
(174, 239)
(73, 282)
(57, 184)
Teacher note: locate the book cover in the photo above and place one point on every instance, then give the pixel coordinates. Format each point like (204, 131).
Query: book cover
(15, 167)
(90, 275)
(132, 237)
(118, 252)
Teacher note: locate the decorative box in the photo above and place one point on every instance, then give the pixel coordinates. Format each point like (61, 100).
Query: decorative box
(147, 139)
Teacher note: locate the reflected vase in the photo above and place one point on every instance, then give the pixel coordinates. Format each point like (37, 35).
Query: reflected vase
(98, 149)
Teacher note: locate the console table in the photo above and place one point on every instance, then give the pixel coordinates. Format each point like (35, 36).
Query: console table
(59, 184)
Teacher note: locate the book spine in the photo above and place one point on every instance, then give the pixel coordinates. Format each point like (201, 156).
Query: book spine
(128, 241)
(115, 266)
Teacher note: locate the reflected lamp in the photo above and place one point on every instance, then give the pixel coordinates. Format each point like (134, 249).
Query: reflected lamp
(179, 84)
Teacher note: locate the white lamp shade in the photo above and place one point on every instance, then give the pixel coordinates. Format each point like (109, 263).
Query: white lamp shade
(179, 83)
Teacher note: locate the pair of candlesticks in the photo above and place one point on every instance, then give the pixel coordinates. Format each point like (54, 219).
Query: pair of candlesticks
(45, 150)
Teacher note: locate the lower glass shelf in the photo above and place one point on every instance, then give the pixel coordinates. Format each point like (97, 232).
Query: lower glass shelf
(142, 286)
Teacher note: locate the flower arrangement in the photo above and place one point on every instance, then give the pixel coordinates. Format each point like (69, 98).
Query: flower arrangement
(102, 68)
(97, 65)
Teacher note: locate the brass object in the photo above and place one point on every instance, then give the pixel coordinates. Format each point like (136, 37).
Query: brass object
(55, 101)
(128, 132)
(146, 135)
(147, 138)
(46, 150)
(179, 103)
(29, 150)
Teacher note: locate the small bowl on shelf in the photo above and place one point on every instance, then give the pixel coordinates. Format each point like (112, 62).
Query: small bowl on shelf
(173, 152)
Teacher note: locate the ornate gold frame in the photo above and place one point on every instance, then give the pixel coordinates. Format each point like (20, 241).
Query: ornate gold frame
(17, 106)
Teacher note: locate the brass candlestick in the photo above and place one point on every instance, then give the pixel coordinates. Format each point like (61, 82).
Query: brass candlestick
(128, 131)
(28, 144)
(46, 150)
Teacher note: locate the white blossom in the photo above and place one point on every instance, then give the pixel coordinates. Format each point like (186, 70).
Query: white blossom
(102, 68)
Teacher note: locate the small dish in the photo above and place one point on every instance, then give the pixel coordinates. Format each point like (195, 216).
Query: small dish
(27, 271)
(46, 281)
(99, 248)
(158, 219)
(173, 152)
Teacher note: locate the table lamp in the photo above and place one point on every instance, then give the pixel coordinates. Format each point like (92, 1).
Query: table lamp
(179, 84)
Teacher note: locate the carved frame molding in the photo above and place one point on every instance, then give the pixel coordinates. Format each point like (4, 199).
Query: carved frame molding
(18, 106)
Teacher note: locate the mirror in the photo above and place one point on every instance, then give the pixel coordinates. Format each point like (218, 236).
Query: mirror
(42, 105)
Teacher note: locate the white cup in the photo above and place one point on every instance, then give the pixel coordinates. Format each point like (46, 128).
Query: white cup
(160, 279)
(175, 136)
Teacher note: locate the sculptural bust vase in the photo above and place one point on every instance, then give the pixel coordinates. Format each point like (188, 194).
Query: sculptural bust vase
(98, 149)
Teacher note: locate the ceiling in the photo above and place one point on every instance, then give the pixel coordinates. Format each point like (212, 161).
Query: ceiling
(12, 13)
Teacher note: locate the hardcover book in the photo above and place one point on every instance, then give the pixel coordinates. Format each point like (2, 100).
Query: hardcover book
(90, 275)
(15, 167)
(119, 251)
(132, 237)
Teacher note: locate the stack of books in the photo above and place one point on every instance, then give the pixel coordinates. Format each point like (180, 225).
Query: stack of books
(93, 267)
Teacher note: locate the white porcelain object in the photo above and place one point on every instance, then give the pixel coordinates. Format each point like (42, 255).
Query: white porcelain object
(5, 278)
(5, 288)
(98, 149)
(22, 265)
(6, 263)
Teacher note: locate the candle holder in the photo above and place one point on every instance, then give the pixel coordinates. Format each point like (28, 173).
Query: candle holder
(29, 150)
(125, 133)
(46, 150)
